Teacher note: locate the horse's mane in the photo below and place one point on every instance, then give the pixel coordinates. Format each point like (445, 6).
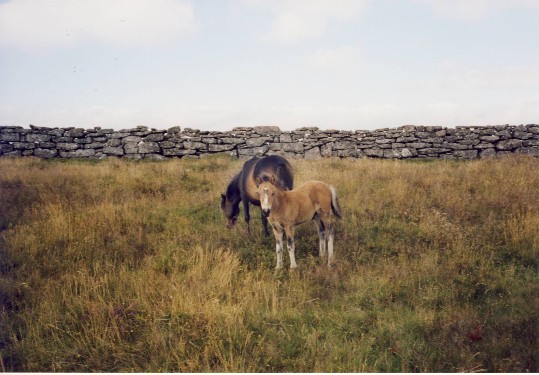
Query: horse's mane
(233, 187)
(277, 183)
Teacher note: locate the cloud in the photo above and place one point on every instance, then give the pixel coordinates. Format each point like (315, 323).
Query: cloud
(471, 10)
(337, 58)
(297, 20)
(502, 78)
(48, 24)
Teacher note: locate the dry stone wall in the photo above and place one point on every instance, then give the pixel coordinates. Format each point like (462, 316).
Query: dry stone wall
(464, 142)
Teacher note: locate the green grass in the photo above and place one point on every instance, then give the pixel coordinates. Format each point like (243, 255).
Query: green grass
(128, 266)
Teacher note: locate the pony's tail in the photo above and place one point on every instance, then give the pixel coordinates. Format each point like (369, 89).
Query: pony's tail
(335, 203)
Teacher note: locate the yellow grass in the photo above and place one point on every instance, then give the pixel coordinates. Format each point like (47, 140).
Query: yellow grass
(127, 266)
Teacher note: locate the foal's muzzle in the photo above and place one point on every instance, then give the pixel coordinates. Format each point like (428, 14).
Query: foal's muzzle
(266, 212)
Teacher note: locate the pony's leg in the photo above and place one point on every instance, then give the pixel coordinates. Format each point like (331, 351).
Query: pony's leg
(264, 223)
(321, 235)
(291, 246)
(331, 238)
(279, 235)
(246, 215)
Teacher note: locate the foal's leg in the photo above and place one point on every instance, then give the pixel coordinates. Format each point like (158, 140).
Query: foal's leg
(321, 235)
(279, 235)
(326, 221)
(246, 214)
(331, 238)
(264, 222)
(291, 246)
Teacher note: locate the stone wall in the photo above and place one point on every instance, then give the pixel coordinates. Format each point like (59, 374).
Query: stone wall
(465, 142)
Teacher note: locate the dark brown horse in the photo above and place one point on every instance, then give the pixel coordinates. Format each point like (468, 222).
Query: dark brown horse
(243, 187)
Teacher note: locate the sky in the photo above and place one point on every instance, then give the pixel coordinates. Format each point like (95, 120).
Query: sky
(216, 64)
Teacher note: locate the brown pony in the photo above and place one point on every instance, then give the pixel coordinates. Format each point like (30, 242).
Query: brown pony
(242, 188)
(314, 200)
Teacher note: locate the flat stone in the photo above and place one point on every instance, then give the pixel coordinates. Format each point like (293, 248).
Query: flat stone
(508, 144)
(267, 130)
(148, 148)
(313, 154)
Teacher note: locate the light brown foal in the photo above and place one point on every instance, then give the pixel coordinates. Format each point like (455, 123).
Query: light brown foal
(314, 200)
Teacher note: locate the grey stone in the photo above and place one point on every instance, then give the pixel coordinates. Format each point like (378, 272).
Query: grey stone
(373, 152)
(131, 139)
(154, 157)
(45, 153)
(5, 147)
(487, 152)
(264, 130)
(83, 140)
(313, 154)
(174, 131)
(455, 146)
(178, 152)
(522, 134)
(483, 145)
(74, 133)
(489, 138)
(508, 144)
(195, 145)
(38, 138)
(254, 151)
(465, 154)
(529, 151)
(24, 145)
(77, 153)
(154, 137)
(131, 147)
(169, 144)
(67, 146)
(325, 150)
(116, 151)
(232, 140)
(95, 145)
(114, 142)
(148, 148)
(221, 148)
(285, 137)
(9, 137)
(296, 147)
(256, 142)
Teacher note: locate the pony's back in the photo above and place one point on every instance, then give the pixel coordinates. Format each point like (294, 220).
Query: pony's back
(279, 167)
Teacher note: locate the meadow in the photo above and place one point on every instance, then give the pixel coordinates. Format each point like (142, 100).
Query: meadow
(120, 265)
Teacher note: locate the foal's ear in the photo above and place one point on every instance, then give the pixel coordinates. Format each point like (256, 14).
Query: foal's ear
(272, 179)
(258, 181)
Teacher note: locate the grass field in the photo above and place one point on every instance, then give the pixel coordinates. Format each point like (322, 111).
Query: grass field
(127, 266)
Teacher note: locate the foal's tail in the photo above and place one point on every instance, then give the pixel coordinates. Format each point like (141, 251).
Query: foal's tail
(335, 203)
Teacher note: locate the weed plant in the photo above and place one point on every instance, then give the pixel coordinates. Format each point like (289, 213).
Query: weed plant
(121, 265)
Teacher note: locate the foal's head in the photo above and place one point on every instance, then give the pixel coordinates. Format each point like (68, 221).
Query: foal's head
(266, 192)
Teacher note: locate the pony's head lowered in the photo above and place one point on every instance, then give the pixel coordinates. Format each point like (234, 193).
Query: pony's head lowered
(230, 203)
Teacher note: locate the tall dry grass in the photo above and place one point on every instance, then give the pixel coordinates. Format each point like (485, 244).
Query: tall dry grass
(127, 266)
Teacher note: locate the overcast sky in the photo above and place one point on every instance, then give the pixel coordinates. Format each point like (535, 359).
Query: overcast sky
(216, 64)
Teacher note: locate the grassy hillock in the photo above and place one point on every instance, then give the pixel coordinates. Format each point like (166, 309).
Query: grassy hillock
(128, 266)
